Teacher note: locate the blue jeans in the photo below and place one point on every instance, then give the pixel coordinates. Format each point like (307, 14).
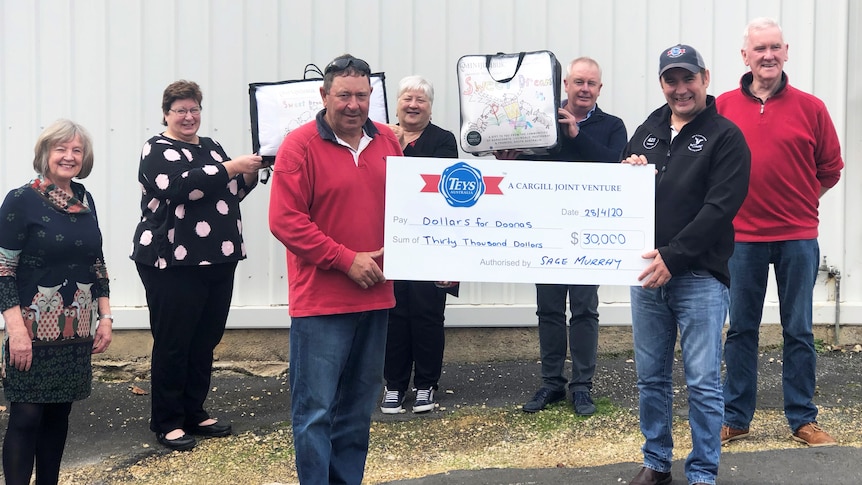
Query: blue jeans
(583, 334)
(336, 367)
(796, 264)
(697, 306)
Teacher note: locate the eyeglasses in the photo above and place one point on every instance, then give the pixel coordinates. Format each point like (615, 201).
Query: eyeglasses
(183, 112)
(343, 63)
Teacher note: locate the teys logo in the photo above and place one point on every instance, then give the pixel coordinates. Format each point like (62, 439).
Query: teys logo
(461, 184)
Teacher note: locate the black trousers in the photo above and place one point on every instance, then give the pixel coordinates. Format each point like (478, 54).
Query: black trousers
(188, 312)
(415, 337)
(583, 334)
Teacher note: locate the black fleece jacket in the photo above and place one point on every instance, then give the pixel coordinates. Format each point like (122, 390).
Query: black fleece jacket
(701, 182)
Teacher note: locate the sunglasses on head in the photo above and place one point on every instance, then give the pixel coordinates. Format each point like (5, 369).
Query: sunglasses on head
(343, 63)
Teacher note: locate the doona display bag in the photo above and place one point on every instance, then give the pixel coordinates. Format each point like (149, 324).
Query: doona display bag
(279, 107)
(509, 101)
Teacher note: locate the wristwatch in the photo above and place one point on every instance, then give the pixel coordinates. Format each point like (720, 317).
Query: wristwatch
(108, 316)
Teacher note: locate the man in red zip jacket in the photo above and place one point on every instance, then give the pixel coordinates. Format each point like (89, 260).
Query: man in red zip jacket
(795, 159)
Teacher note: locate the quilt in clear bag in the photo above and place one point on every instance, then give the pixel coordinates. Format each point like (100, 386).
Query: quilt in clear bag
(509, 101)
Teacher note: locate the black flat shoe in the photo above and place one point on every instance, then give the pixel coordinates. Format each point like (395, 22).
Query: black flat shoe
(183, 443)
(216, 430)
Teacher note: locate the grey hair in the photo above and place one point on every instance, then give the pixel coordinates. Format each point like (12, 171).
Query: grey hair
(760, 23)
(586, 60)
(416, 83)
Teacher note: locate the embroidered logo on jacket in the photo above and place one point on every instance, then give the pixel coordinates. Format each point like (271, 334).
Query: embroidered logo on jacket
(697, 143)
(650, 141)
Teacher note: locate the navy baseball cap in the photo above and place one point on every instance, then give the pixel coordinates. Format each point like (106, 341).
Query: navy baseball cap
(680, 55)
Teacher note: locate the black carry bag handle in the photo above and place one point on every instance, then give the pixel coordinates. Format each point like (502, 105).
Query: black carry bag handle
(515, 73)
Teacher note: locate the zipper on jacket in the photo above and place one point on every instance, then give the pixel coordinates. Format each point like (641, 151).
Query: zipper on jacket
(762, 102)
(663, 168)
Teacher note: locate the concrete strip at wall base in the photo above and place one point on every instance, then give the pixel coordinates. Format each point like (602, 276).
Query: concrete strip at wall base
(474, 316)
(266, 351)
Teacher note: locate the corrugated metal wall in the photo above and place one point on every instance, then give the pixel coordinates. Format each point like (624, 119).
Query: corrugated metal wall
(105, 63)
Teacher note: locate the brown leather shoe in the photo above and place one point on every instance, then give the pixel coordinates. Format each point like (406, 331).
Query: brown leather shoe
(813, 435)
(729, 434)
(648, 476)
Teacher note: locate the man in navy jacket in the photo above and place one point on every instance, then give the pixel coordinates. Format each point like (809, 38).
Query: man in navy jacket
(589, 135)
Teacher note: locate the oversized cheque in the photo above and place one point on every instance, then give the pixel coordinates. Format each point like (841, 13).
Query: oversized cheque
(517, 221)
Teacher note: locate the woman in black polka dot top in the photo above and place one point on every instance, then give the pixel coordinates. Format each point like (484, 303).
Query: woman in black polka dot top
(186, 248)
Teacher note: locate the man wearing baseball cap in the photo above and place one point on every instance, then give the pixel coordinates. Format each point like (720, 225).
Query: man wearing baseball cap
(702, 168)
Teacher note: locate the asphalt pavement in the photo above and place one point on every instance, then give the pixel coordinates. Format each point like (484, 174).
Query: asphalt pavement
(113, 422)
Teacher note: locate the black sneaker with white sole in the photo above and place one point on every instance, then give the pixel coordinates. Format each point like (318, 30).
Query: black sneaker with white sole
(392, 401)
(424, 400)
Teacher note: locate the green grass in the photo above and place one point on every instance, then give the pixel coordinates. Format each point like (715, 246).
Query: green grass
(820, 346)
(472, 425)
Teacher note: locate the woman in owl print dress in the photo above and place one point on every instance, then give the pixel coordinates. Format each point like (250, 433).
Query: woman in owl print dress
(54, 298)
(186, 248)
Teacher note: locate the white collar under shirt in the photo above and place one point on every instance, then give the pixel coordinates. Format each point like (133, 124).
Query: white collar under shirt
(363, 143)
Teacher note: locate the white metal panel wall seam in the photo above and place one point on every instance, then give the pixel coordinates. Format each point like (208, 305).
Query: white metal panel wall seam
(105, 64)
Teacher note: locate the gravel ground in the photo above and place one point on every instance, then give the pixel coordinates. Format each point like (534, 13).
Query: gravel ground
(472, 438)
(479, 424)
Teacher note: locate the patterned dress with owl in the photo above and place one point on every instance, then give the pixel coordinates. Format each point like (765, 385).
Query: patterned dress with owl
(52, 266)
(190, 206)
